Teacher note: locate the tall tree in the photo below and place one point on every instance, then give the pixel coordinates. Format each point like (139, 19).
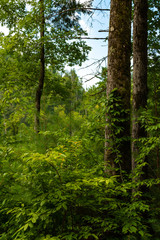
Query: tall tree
(139, 72)
(117, 130)
(154, 67)
(42, 67)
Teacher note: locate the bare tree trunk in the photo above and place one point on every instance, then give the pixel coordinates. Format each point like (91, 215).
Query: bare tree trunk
(139, 72)
(42, 69)
(119, 52)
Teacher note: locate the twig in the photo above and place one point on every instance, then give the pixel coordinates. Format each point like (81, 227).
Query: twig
(90, 38)
(100, 60)
(89, 8)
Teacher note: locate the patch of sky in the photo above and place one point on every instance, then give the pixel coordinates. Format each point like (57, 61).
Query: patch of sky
(97, 58)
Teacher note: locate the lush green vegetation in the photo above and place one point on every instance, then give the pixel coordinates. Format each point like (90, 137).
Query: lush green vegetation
(54, 184)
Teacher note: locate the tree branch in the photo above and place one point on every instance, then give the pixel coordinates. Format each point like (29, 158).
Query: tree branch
(89, 8)
(91, 38)
(74, 9)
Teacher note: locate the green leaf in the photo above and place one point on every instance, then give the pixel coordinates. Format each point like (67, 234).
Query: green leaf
(141, 233)
(133, 229)
(25, 226)
(34, 218)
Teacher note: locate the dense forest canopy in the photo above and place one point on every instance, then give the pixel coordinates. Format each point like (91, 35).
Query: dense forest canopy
(76, 163)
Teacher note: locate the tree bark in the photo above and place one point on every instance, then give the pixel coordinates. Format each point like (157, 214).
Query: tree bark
(139, 73)
(119, 52)
(42, 68)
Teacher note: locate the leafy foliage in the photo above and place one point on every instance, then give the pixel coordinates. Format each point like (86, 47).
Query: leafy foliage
(55, 196)
(53, 185)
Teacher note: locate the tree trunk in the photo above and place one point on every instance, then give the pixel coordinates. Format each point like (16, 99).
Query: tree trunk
(42, 68)
(117, 143)
(139, 72)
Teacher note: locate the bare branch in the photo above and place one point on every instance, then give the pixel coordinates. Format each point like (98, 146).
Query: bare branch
(106, 30)
(98, 61)
(95, 76)
(89, 8)
(74, 9)
(91, 38)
